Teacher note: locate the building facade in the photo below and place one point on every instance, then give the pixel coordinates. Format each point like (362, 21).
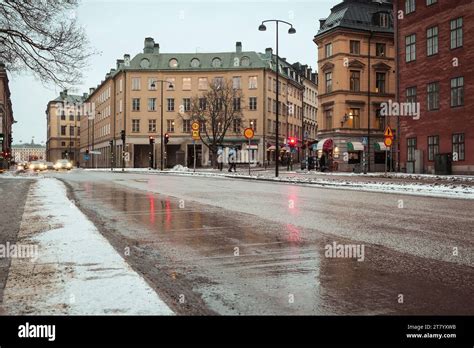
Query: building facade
(435, 41)
(6, 119)
(129, 100)
(63, 118)
(356, 64)
(28, 152)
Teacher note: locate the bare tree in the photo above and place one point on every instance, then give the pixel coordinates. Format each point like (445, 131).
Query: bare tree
(43, 36)
(216, 110)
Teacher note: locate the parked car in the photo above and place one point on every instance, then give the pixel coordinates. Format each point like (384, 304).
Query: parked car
(63, 164)
(49, 165)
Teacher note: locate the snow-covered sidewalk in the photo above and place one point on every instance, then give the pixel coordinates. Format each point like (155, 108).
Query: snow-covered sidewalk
(76, 270)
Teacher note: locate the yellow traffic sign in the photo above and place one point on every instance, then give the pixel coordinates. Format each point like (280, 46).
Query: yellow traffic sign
(388, 132)
(195, 126)
(196, 135)
(388, 141)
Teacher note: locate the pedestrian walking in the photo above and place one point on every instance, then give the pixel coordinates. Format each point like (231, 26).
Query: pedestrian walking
(232, 160)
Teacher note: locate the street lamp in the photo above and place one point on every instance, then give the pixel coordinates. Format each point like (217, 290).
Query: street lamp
(162, 141)
(292, 30)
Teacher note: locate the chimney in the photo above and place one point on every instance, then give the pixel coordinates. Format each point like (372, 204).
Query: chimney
(85, 96)
(126, 60)
(91, 90)
(149, 45)
(268, 52)
(156, 48)
(321, 22)
(238, 47)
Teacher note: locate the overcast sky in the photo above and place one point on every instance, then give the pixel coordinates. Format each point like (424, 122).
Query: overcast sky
(118, 27)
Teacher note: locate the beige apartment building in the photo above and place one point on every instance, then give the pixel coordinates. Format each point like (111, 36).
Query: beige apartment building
(357, 68)
(6, 119)
(129, 100)
(63, 117)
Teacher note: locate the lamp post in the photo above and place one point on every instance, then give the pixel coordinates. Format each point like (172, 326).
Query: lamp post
(292, 30)
(162, 140)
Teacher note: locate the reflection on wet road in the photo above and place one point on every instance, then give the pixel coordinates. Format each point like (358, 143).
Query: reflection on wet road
(205, 259)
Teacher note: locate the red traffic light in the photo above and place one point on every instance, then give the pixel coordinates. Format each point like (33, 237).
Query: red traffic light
(292, 141)
(167, 138)
(152, 140)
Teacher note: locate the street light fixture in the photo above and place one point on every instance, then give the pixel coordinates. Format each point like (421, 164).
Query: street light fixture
(292, 30)
(162, 141)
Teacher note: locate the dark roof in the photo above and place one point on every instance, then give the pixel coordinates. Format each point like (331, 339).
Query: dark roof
(359, 15)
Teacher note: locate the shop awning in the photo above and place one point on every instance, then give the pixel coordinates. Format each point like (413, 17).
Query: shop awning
(325, 144)
(355, 146)
(380, 146)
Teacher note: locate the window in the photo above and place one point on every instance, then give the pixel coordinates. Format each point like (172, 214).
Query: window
(433, 147)
(187, 104)
(458, 147)
(253, 103)
(269, 83)
(170, 83)
(151, 104)
(355, 113)
(236, 104)
(219, 81)
(411, 147)
(383, 20)
(136, 81)
(152, 84)
(355, 81)
(380, 82)
(253, 124)
(355, 47)
(380, 120)
(431, 2)
(236, 82)
(269, 104)
(170, 126)
(328, 82)
(71, 117)
(456, 33)
(380, 49)
(202, 83)
(432, 41)
(236, 125)
(71, 130)
(411, 94)
(328, 118)
(202, 103)
(135, 126)
(216, 63)
(195, 63)
(269, 126)
(63, 117)
(252, 82)
(245, 61)
(63, 143)
(152, 126)
(328, 50)
(121, 85)
(186, 126)
(410, 48)
(186, 83)
(409, 6)
(457, 91)
(170, 104)
(433, 96)
(202, 126)
(136, 104)
(173, 63)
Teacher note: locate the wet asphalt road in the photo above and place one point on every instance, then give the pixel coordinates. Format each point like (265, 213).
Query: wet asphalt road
(217, 245)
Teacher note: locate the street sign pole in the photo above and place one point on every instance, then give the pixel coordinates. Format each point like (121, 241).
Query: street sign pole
(249, 156)
(249, 134)
(194, 157)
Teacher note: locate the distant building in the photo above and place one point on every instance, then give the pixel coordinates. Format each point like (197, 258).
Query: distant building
(6, 119)
(63, 126)
(435, 66)
(28, 152)
(129, 101)
(356, 64)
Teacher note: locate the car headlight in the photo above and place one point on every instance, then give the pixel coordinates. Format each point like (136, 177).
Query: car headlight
(69, 165)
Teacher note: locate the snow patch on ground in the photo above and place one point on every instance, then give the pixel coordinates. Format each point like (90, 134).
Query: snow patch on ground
(77, 271)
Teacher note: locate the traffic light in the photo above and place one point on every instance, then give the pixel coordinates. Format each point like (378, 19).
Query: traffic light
(87, 151)
(167, 138)
(292, 141)
(152, 140)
